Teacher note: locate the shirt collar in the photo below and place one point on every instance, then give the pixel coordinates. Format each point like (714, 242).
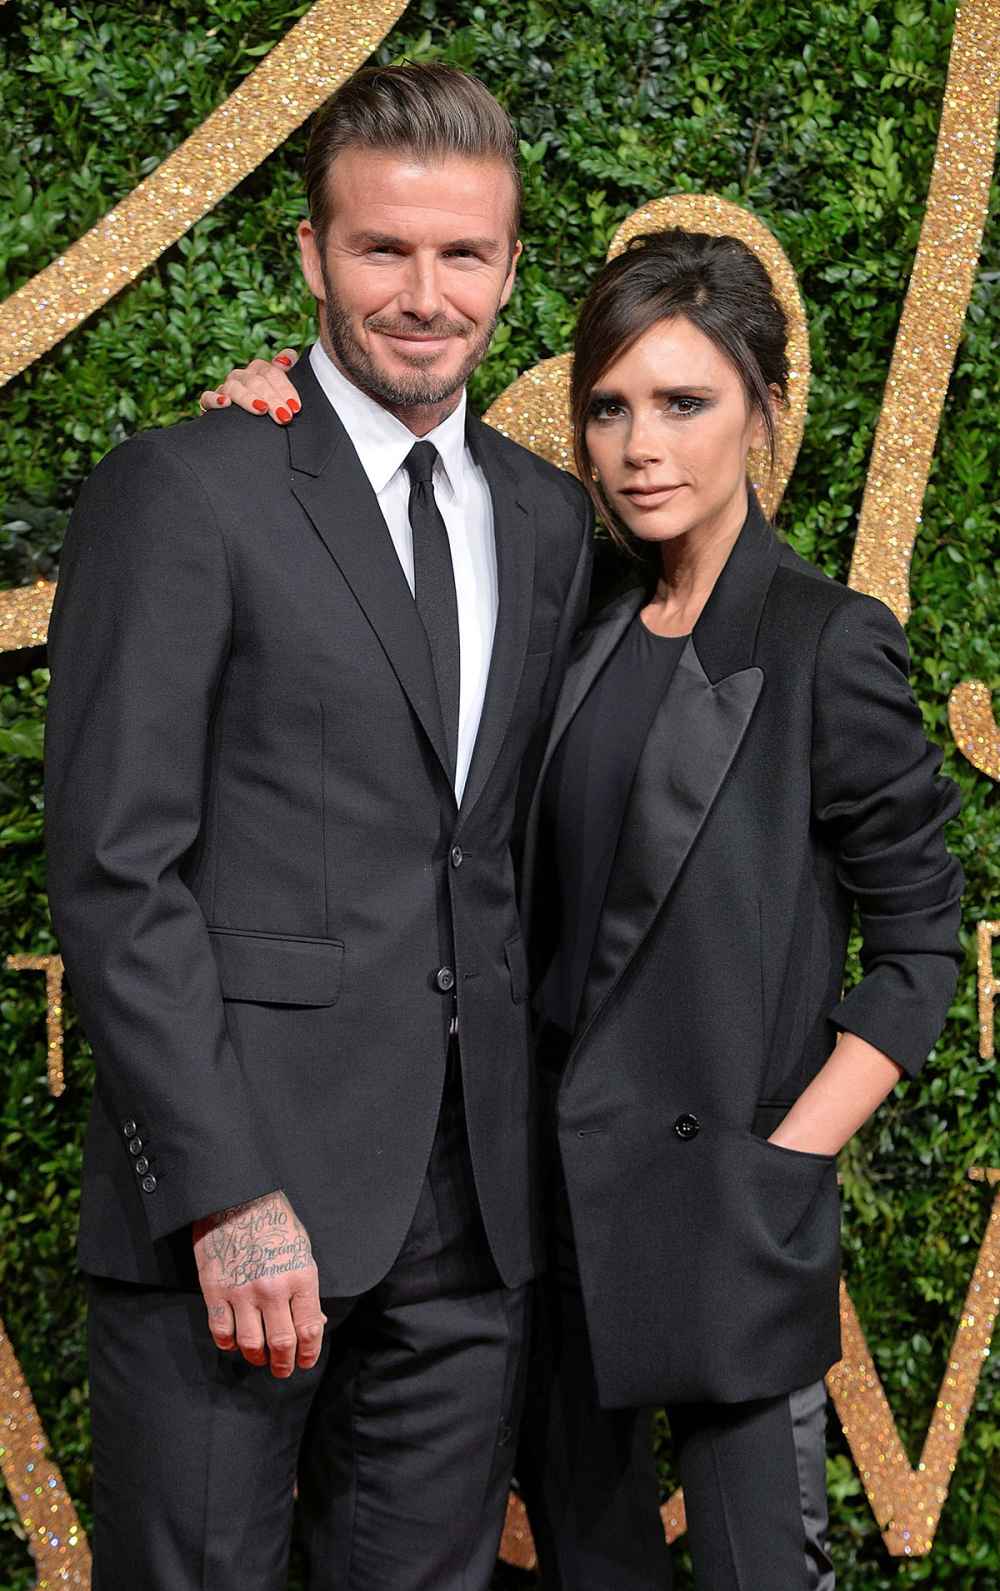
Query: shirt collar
(382, 442)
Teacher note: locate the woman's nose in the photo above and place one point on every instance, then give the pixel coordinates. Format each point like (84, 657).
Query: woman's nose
(641, 447)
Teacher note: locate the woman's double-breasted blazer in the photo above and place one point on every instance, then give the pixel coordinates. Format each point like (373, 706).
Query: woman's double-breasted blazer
(786, 778)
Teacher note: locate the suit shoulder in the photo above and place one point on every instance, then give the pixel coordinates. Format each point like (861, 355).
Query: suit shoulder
(800, 588)
(225, 438)
(543, 476)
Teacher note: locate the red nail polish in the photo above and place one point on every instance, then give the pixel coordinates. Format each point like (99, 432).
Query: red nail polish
(260, 405)
(282, 359)
(294, 405)
(282, 415)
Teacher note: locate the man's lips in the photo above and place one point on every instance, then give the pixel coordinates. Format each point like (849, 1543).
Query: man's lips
(426, 342)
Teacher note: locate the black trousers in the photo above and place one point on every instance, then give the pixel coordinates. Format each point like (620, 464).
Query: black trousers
(401, 1439)
(753, 1474)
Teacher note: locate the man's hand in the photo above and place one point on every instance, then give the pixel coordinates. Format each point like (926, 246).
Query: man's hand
(260, 1284)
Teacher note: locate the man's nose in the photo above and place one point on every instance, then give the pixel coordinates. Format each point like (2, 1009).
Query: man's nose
(421, 294)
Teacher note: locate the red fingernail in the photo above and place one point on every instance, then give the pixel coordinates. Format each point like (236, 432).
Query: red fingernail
(260, 405)
(282, 359)
(294, 405)
(282, 415)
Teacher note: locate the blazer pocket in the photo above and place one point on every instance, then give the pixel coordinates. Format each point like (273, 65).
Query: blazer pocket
(517, 966)
(277, 969)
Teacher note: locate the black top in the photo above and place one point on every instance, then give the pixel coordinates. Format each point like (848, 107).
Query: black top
(583, 803)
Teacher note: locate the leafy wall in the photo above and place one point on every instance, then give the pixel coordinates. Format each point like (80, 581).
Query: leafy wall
(821, 118)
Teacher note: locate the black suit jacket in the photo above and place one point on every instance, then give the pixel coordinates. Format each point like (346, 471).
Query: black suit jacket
(786, 777)
(256, 864)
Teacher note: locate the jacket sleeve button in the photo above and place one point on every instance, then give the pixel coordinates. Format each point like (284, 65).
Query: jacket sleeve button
(141, 1166)
(149, 1184)
(129, 1128)
(687, 1126)
(135, 1146)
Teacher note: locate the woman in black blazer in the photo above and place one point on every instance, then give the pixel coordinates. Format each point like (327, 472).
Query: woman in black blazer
(736, 761)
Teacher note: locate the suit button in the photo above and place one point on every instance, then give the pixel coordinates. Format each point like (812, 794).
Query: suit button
(687, 1126)
(129, 1128)
(457, 856)
(149, 1184)
(141, 1166)
(445, 979)
(135, 1146)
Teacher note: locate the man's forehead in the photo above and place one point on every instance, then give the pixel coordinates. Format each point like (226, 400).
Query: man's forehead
(384, 190)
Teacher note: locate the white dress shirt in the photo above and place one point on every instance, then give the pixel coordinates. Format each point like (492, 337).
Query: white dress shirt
(382, 443)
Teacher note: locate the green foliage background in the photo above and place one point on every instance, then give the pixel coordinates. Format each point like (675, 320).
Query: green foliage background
(821, 118)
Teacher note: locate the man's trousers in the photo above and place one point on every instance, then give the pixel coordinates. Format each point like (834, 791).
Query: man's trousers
(401, 1440)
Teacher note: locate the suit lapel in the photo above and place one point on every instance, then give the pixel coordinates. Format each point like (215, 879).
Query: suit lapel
(694, 737)
(693, 740)
(514, 537)
(331, 485)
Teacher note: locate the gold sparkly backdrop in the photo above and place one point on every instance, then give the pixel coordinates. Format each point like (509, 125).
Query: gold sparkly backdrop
(333, 38)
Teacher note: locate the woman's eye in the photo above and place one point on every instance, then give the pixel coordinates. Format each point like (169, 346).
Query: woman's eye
(604, 409)
(685, 406)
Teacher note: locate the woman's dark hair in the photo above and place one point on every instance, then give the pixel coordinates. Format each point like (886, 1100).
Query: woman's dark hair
(716, 283)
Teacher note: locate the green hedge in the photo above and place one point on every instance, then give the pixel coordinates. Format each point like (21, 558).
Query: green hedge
(821, 118)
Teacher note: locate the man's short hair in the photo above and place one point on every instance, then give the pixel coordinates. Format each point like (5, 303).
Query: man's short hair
(429, 111)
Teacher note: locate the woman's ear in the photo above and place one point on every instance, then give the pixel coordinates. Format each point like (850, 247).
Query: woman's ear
(758, 427)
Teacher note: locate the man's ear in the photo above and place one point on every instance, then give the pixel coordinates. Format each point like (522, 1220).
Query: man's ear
(508, 286)
(309, 256)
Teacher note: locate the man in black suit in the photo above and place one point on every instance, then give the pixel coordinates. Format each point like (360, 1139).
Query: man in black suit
(298, 679)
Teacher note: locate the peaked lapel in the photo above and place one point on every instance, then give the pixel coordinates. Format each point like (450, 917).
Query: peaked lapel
(694, 737)
(514, 538)
(328, 480)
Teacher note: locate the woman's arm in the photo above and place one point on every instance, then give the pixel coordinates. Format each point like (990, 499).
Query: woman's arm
(261, 387)
(840, 1098)
(880, 803)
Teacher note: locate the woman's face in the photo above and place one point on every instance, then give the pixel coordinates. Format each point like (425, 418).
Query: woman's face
(669, 432)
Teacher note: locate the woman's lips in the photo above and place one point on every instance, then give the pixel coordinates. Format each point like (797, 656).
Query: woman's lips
(649, 496)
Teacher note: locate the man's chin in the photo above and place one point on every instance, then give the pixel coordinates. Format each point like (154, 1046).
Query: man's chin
(417, 381)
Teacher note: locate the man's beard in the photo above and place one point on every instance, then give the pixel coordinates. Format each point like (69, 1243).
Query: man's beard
(402, 391)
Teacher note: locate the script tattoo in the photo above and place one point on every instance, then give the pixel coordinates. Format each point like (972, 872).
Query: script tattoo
(255, 1242)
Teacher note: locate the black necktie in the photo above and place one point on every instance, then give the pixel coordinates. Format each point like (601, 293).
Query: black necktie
(434, 587)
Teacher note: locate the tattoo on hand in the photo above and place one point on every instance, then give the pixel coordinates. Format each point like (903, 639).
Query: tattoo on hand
(254, 1242)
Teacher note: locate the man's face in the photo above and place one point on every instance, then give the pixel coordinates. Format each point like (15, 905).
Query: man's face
(416, 264)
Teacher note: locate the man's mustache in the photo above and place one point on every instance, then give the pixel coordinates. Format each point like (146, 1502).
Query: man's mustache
(438, 327)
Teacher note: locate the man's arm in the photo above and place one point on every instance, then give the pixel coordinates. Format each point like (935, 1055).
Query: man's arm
(137, 646)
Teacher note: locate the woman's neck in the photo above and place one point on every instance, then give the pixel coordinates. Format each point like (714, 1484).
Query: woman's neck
(691, 564)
